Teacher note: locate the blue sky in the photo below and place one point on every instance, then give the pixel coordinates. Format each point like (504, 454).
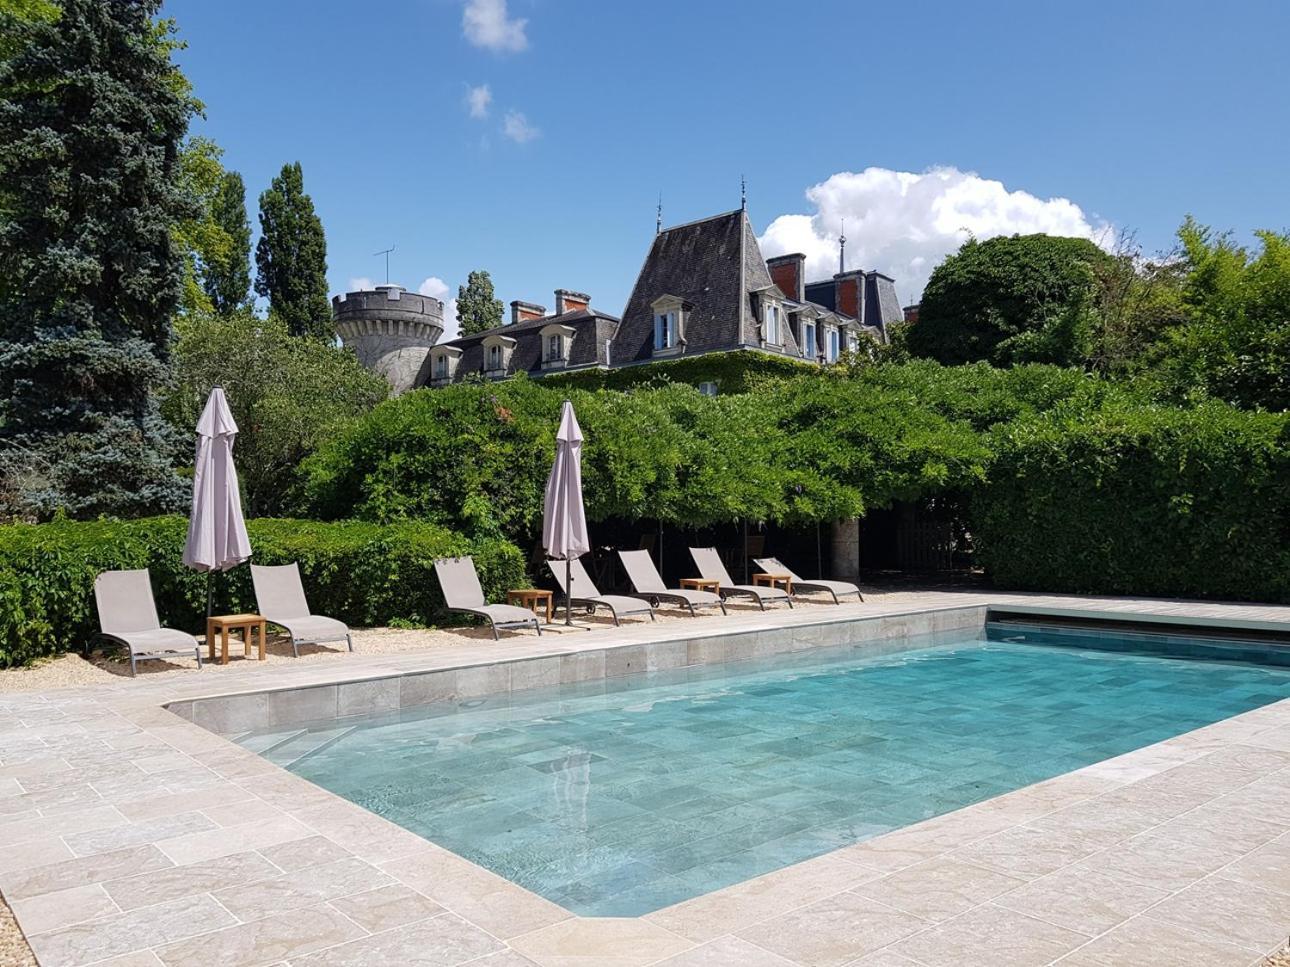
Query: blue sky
(949, 116)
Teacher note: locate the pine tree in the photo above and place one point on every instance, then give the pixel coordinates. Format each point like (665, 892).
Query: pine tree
(92, 113)
(291, 256)
(227, 278)
(477, 307)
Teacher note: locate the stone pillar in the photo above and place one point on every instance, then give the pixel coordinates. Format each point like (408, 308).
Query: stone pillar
(845, 555)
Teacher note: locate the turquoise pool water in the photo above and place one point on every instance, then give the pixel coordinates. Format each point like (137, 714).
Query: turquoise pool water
(617, 798)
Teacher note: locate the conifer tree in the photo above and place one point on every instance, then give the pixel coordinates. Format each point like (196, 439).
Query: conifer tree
(477, 307)
(92, 114)
(291, 256)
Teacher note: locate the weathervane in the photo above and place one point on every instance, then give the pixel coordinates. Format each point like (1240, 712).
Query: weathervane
(658, 219)
(386, 252)
(743, 194)
(842, 248)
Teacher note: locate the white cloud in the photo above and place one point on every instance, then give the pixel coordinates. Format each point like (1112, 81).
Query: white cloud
(437, 288)
(486, 24)
(904, 223)
(361, 284)
(478, 100)
(517, 127)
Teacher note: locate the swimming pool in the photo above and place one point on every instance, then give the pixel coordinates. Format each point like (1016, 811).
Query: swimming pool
(618, 797)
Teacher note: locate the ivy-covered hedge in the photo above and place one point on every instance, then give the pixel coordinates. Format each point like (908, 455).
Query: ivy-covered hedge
(737, 371)
(1139, 500)
(361, 573)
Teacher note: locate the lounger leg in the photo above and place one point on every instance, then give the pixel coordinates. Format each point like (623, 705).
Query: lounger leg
(835, 596)
(537, 626)
(198, 649)
(722, 602)
(651, 615)
(295, 647)
(133, 669)
(615, 614)
(790, 603)
(350, 639)
(492, 624)
(762, 602)
(691, 607)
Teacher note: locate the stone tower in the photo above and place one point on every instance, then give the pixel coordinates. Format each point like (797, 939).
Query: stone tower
(391, 330)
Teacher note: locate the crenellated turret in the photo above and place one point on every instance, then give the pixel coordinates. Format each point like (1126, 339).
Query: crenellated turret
(391, 330)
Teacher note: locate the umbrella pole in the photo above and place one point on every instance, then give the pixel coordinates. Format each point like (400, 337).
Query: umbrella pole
(210, 590)
(819, 552)
(568, 592)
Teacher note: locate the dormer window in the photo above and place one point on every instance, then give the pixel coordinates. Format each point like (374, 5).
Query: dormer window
(557, 340)
(853, 342)
(497, 354)
(443, 364)
(831, 345)
(771, 324)
(669, 325)
(809, 349)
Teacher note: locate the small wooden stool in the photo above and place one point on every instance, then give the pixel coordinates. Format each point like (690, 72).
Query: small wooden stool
(531, 598)
(701, 584)
(222, 624)
(771, 580)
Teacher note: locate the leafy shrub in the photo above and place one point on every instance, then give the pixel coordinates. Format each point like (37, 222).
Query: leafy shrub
(363, 574)
(1140, 500)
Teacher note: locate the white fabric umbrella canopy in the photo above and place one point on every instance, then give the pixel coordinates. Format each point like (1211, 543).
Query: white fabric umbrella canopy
(564, 520)
(217, 537)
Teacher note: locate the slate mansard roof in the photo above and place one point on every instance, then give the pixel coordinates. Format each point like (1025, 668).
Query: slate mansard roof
(593, 330)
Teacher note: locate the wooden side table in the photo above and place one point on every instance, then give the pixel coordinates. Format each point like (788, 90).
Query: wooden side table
(222, 624)
(701, 584)
(771, 580)
(532, 598)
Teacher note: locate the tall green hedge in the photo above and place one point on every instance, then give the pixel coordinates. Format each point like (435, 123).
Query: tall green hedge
(1140, 500)
(360, 573)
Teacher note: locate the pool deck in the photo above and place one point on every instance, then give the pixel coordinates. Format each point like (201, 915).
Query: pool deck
(131, 837)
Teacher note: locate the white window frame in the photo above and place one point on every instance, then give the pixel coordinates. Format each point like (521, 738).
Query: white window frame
(708, 388)
(669, 325)
(444, 364)
(497, 354)
(832, 344)
(810, 347)
(549, 335)
(772, 323)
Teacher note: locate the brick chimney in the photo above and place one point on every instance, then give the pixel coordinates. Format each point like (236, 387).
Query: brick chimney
(788, 272)
(566, 300)
(524, 311)
(849, 298)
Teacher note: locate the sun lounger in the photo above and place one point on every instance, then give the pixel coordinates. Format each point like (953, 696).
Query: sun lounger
(462, 592)
(584, 593)
(649, 584)
(772, 565)
(280, 598)
(708, 561)
(128, 616)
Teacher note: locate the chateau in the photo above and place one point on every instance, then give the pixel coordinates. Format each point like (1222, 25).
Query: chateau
(704, 288)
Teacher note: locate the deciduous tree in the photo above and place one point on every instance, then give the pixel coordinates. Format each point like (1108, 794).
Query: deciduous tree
(291, 256)
(478, 308)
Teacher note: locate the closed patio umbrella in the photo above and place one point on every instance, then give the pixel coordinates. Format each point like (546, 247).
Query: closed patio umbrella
(564, 521)
(217, 537)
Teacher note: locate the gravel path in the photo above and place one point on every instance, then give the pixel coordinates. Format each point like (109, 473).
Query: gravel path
(14, 951)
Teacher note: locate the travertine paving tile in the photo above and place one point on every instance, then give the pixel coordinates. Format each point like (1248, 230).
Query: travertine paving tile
(195, 847)
(136, 833)
(64, 908)
(481, 897)
(387, 907)
(1147, 942)
(82, 871)
(126, 932)
(1267, 867)
(503, 958)
(300, 853)
(284, 936)
(1026, 851)
(24, 830)
(34, 852)
(728, 952)
(743, 904)
(168, 804)
(1237, 913)
(990, 936)
(1082, 899)
(939, 889)
(305, 888)
(834, 931)
(606, 942)
(174, 882)
(443, 941)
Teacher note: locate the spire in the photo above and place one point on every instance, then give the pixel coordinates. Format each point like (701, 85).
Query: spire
(658, 219)
(743, 194)
(842, 248)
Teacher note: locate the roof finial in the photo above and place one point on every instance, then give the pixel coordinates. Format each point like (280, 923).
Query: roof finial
(658, 219)
(842, 248)
(743, 194)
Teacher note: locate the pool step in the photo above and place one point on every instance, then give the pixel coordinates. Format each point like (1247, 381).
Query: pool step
(261, 743)
(303, 744)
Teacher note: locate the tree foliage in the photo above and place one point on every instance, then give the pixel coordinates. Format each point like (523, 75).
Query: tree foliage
(291, 256)
(478, 308)
(287, 396)
(1022, 298)
(92, 114)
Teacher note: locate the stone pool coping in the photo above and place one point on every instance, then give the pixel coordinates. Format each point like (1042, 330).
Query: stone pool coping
(131, 836)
